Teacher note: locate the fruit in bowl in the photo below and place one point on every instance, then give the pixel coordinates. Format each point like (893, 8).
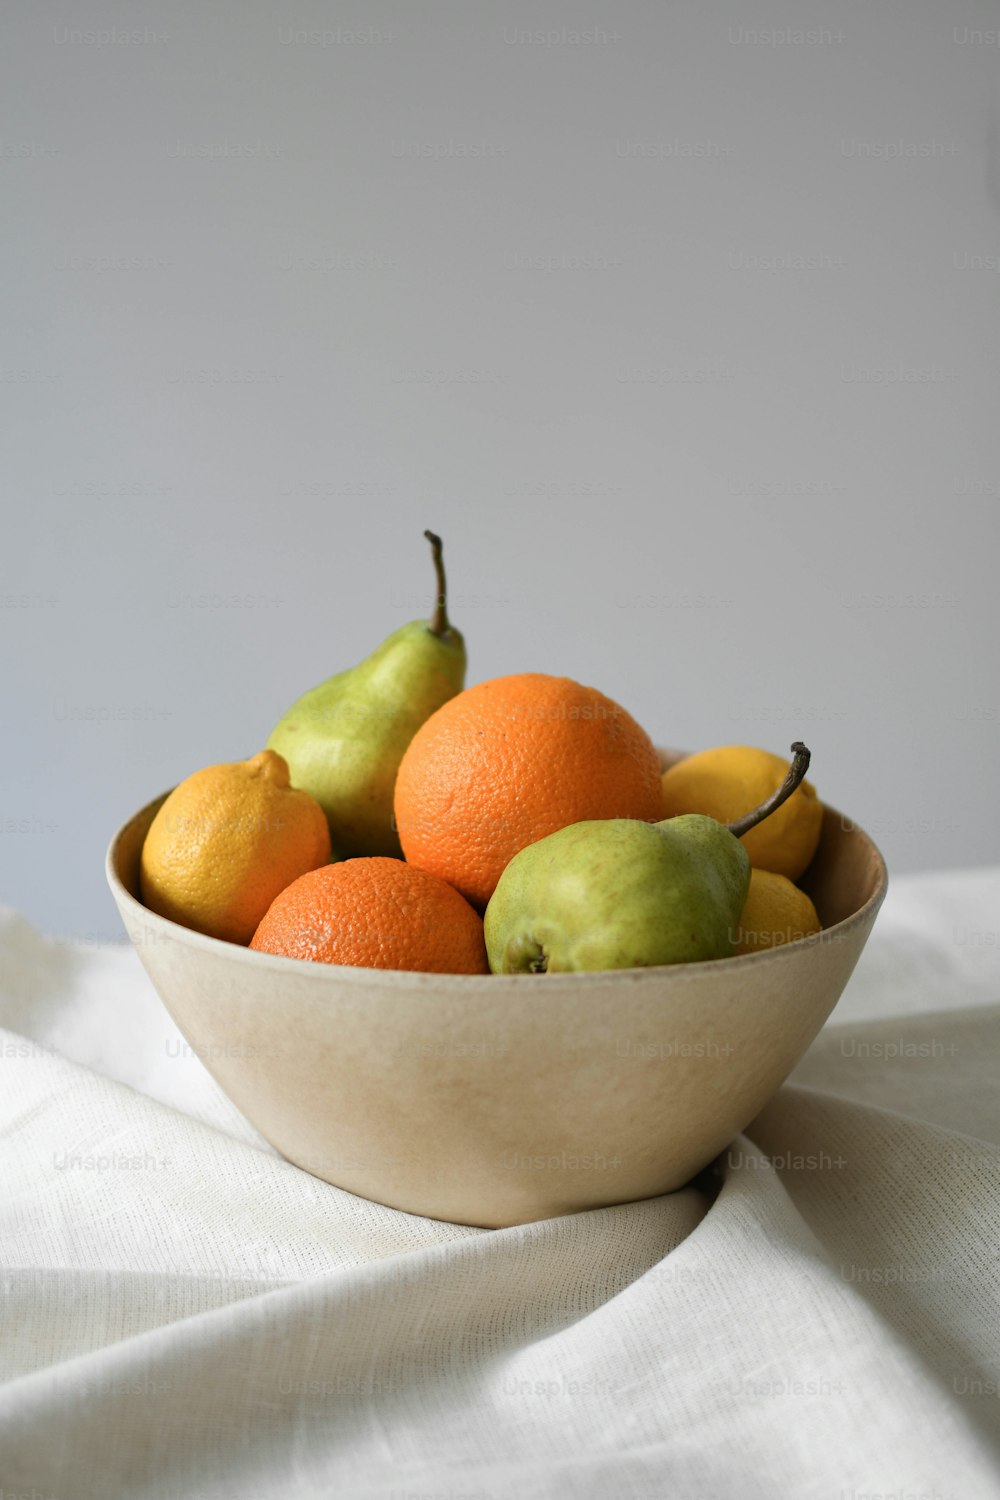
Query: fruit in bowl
(511, 760)
(344, 739)
(226, 842)
(652, 979)
(619, 893)
(496, 1099)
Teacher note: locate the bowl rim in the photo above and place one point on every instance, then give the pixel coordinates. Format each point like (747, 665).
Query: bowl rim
(463, 983)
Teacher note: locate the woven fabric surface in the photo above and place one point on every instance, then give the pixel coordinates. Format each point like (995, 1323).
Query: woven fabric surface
(185, 1316)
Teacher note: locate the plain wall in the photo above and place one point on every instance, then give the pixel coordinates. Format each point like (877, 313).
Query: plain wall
(683, 332)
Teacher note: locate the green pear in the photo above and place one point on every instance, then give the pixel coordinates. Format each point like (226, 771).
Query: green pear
(344, 739)
(621, 894)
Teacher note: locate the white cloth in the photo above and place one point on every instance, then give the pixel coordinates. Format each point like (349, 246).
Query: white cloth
(188, 1317)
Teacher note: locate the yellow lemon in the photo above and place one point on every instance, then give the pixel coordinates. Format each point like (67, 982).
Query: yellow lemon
(727, 782)
(226, 842)
(775, 912)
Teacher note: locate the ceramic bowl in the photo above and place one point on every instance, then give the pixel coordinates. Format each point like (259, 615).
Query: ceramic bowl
(503, 1099)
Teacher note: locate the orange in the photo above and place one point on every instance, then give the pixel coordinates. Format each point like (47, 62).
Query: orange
(375, 912)
(775, 912)
(226, 841)
(731, 780)
(509, 761)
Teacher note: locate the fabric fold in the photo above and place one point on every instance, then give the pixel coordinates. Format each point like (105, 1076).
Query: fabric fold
(187, 1315)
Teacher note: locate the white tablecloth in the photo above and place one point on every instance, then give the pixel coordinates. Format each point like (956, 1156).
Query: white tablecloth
(186, 1315)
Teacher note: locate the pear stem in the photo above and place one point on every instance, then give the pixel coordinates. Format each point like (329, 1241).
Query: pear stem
(796, 773)
(438, 623)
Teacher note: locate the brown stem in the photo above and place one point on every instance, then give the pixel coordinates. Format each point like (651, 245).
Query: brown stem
(438, 623)
(796, 772)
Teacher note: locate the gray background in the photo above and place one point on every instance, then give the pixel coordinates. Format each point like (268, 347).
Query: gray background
(683, 333)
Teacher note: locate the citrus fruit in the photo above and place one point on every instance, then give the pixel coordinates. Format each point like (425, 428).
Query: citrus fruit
(378, 913)
(226, 841)
(509, 761)
(775, 912)
(726, 782)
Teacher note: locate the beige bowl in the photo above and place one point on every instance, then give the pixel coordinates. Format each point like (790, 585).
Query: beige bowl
(501, 1099)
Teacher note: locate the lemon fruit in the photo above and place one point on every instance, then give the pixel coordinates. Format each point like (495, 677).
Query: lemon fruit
(727, 781)
(227, 841)
(775, 912)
